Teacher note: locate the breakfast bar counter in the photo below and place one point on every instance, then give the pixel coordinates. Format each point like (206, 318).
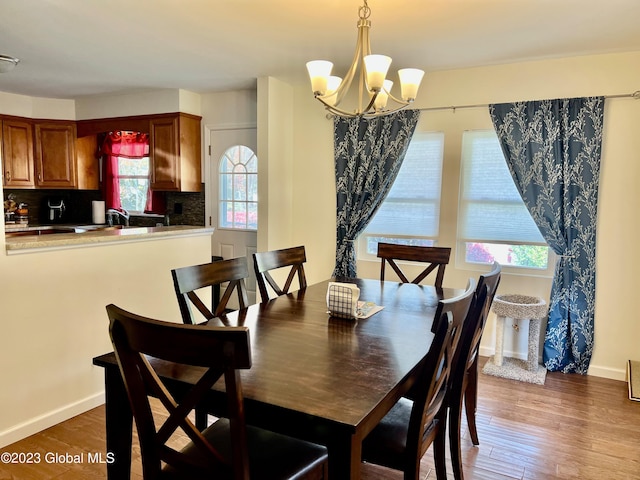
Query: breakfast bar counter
(33, 243)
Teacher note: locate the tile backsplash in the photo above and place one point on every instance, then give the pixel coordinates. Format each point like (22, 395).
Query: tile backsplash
(183, 208)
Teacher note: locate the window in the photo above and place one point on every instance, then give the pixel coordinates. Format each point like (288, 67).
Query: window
(126, 171)
(410, 214)
(494, 223)
(133, 177)
(238, 189)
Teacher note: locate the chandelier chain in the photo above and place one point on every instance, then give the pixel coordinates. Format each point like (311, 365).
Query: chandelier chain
(364, 11)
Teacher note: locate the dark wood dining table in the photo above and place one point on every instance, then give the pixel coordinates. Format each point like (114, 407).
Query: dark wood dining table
(313, 376)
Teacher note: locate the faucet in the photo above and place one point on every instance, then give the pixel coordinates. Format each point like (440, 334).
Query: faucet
(113, 213)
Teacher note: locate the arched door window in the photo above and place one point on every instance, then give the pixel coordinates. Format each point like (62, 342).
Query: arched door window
(238, 192)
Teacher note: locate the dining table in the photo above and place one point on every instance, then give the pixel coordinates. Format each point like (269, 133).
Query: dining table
(313, 376)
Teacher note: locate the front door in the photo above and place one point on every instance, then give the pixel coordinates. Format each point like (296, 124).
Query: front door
(234, 181)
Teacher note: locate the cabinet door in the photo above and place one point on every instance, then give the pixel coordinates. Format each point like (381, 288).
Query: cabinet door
(55, 155)
(87, 163)
(190, 154)
(164, 148)
(17, 154)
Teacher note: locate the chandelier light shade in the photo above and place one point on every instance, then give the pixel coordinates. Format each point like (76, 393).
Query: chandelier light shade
(374, 89)
(7, 63)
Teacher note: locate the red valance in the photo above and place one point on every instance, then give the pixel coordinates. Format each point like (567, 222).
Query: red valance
(127, 144)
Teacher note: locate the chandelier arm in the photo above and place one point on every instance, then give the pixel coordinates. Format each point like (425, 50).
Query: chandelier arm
(338, 111)
(404, 103)
(362, 48)
(348, 78)
(364, 45)
(383, 112)
(366, 113)
(368, 108)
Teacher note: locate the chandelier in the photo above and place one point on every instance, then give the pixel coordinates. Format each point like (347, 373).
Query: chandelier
(374, 90)
(7, 63)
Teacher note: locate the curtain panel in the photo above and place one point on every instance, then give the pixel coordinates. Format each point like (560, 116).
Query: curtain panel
(553, 150)
(368, 155)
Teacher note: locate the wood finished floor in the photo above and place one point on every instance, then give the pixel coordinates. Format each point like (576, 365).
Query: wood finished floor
(573, 427)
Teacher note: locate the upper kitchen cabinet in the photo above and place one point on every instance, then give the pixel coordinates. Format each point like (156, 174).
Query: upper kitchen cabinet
(174, 146)
(55, 157)
(87, 164)
(175, 153)
(17, 154)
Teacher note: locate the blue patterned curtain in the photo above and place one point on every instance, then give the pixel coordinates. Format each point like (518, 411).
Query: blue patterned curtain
(553, 148)
(368, 154)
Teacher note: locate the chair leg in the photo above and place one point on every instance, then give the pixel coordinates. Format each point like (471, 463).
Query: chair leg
(202, 420)
(455, 420)
(439, 447)
(471, 401)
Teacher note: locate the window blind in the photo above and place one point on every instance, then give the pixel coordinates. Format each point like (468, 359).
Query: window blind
(412, 207)
(491, 208)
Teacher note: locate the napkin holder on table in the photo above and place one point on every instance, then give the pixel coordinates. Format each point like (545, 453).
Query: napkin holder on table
(342, 300)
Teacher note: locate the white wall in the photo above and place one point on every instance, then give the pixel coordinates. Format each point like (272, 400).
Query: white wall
(52, 316)
(616, 327)
(276, 165)
(140, 103)
(54, 322)
(35, 107)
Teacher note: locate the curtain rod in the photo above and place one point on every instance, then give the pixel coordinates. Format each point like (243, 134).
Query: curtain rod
(635, 95)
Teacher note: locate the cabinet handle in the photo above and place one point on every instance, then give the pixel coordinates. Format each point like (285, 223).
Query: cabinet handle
(8, 175)
(39, 177)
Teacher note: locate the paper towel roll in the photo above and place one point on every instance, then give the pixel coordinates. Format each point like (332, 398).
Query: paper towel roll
(97, 209)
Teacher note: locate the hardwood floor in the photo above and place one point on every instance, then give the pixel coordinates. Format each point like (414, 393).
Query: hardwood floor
(573, 427)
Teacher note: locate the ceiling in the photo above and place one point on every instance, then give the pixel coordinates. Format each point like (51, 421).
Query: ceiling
(74, 48)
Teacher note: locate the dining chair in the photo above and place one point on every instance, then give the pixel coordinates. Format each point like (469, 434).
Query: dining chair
(229, 448)
(265, 262)
(187, 280)
(464, 379)
(436, 257)
(403, 436)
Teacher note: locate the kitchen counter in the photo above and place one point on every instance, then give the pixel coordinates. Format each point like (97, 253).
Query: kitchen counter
(35, 243)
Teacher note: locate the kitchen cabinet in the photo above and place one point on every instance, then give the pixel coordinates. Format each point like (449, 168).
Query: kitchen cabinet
(174, 151)
(87, 164)
(55, 155)
(17, 154)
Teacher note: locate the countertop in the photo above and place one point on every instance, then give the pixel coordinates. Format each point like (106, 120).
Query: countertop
(31, 243)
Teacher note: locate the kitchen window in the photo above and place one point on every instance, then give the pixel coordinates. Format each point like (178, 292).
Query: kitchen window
(493, 221)
(133, 177)
(126, 173)
(410, 214)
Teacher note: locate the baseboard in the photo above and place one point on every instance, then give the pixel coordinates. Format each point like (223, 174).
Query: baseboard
(49, 419)
(633, 380)
(608, 372)
(595, 370)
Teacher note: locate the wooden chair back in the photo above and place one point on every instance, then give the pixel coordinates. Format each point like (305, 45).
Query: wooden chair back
(264, 262)
(413, 425)
(187, 280)
(429, 404)
(473, 330)
(436, 257)
(222, 351)
(464, 379)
